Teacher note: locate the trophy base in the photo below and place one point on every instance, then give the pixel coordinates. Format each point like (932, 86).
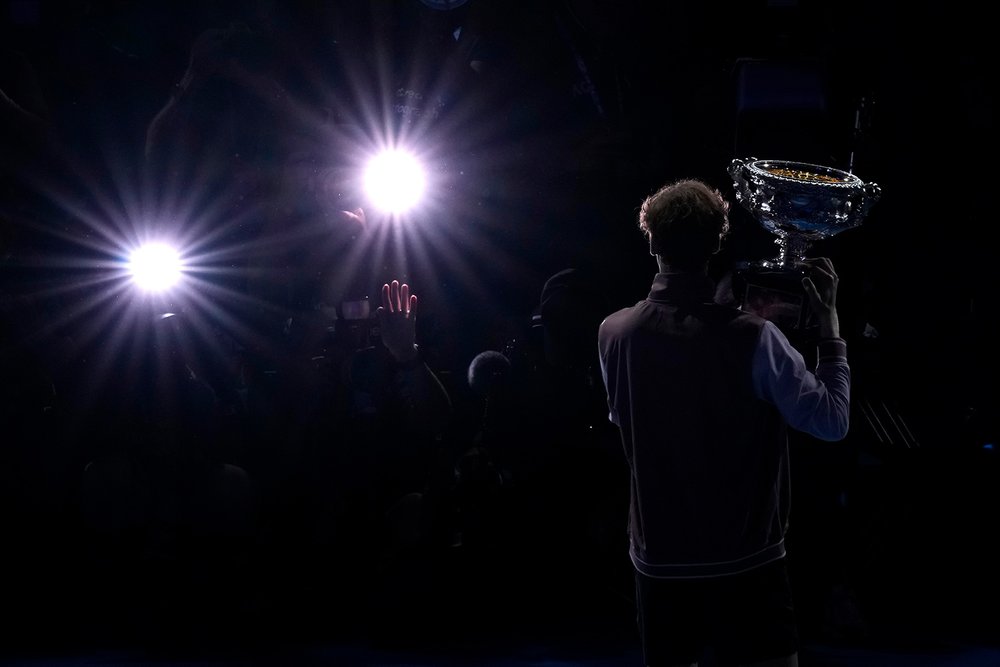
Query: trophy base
(773, 290)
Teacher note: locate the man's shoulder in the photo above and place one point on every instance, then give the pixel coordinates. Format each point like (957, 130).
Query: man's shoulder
(728, 314)
(620, 318)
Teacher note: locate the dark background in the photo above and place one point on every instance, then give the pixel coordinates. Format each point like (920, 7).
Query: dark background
(580, 110)
(576, 112)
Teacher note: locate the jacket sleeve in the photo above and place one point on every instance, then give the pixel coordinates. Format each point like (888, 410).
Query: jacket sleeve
(814, 402)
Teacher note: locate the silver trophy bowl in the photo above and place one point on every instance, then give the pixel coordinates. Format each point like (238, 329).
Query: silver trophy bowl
(800, 203)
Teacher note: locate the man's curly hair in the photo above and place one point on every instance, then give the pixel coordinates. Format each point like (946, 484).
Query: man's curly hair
(684, 222)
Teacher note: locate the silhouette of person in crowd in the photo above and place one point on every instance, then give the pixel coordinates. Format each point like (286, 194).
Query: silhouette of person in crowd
(541, 471)
(393, 417)
(166, 515)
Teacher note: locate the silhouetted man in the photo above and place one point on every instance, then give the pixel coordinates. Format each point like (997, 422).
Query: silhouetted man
(702, 394)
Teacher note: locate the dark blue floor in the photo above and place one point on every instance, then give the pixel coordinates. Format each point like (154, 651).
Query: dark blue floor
(589, 645)
(946, 654)
(893, 623)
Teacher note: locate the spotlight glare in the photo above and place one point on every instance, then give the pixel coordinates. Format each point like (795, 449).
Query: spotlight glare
(394, 181)
(155, 267)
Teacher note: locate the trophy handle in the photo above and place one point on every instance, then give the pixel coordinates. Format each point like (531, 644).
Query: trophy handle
(737, 170)
(872, 194)
(737, 166)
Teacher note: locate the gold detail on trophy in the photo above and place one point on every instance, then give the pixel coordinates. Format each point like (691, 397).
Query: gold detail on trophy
(799, 175)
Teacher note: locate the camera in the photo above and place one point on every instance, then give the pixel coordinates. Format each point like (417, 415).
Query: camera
(356, 326)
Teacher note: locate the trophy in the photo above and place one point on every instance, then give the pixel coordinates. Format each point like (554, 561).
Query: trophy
(799, 203)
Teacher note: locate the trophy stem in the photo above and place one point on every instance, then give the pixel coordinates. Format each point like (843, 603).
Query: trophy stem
(791, 251)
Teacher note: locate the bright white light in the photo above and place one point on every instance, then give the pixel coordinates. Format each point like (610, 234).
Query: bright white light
(394, 181)
(155, 267)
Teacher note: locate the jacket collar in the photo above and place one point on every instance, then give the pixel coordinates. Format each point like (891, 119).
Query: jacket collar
(674, 286)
